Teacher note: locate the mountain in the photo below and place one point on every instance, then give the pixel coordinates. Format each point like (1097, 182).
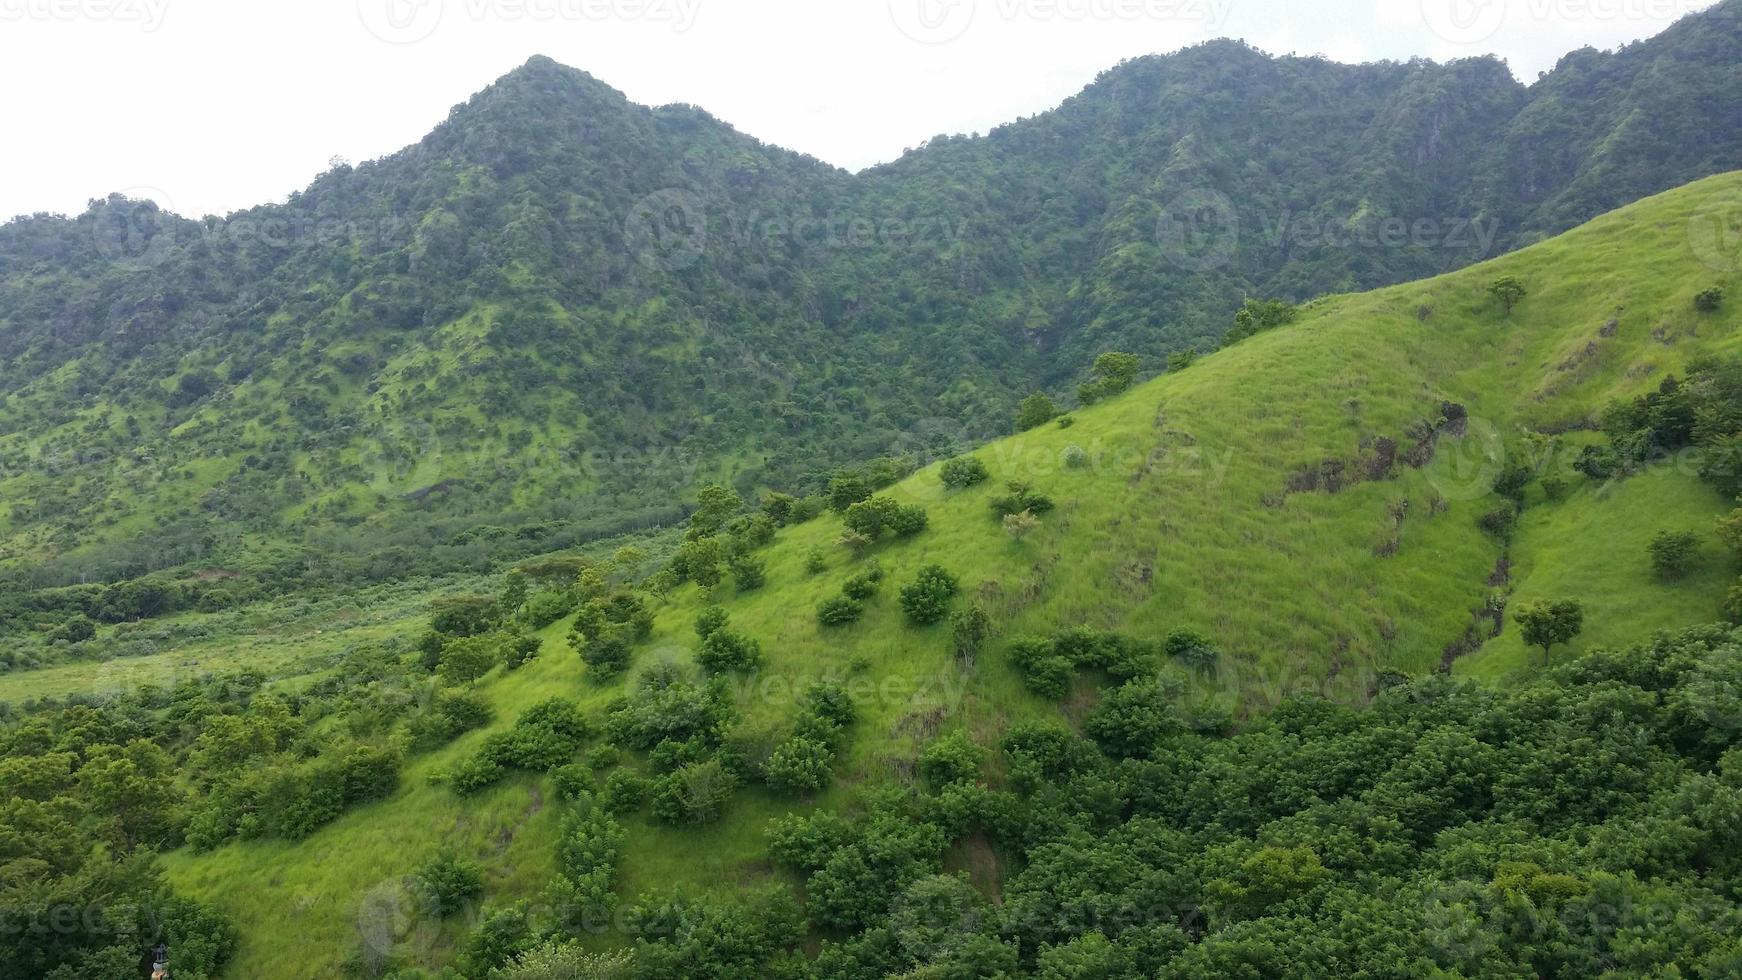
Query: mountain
(559, 312)
(1329, 512)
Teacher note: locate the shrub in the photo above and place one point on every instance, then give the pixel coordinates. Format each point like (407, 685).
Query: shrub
(1708, 300)
(607, 656)
(1131, 718)
(870, 518)
(1179, 360)
(1020, 497)
(748, 573)
(865, 584)
(1190, 647)
(1036, 409)
(968, 631)
(1043, 670)
(710, 621)
(572, 782)
(695, 794)
(546, 607)
(1500, 521)
(624, 791)
(839, 610)
(446, 881)
(1074, 458)
(830, 702)
(962, 472)
(1673, 553)
(816, 562)
(927, 598)
(725, 651)
(1021, 525)
(951, 759)
(1553, 487)
(799, 764)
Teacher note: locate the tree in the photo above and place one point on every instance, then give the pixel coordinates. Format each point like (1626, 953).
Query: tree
(799, 765)
(715, 505)
(962, 472)
(927, 598)
(1672, 553)
(1112, 373)
(1036, 409)
(1258, 315)
(969, 629)
(710, 621)
(1547, 622)
(1508, 290)
(724, 651)
(748, 573)
(466, 659)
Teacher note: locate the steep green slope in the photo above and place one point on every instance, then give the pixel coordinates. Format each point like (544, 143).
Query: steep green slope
(1192, 506)
(560, 310)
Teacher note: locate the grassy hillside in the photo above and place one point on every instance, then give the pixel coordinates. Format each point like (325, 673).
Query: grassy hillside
(1179, 513)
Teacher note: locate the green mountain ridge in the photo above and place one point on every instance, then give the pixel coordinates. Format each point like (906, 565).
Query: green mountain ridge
(1247, 497)
(557, 313)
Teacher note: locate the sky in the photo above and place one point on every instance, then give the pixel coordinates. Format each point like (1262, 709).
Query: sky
(209, 106)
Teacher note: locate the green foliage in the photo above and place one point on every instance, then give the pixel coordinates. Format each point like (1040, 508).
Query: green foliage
(587, 855)
(871, 517)
(1708, 300)
(1020, 497)
(1545, 623)
(1035, 410)
(1673, 553)
(710, 621)
(1508, 290)
(839, 610)
(1111, 374)
(748, 574)
(799, 765)
(963, 472)
(969, 630)
(1179, 360)
(1258, 315)
(694, 794)
(926, 599)
(447, 882)
(951, 759)
(724, 651)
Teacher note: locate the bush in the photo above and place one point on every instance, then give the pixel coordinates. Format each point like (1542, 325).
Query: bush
(447, 881)
(951, 759)
(968, 631)
(623, 792)
(816, 562)
(695, 794)
(607, 656)
(572, 782)
(1553, 487)
(1021, 525)
(798, 765)
(926, 600)
(963, 472)
(1190, 647)
(1043, 670)
(710, 621)
(1673, 553)
(830, 702)
(865, 584)
(1500, 521)
(1179, 360)
(725, 651)
(1074, 458)
(1036, 409)
(870, 518)
(1708, 300)
(839, 610)
(1020, 498)
(545, 608)
(748, 573)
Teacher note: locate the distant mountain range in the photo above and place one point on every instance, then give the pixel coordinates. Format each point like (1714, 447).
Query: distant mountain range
(559, 310)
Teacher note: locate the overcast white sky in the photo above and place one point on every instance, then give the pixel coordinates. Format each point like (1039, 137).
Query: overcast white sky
(208, 106)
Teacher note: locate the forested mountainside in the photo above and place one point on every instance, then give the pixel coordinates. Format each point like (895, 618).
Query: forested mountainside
(557, 311)
(1157, 687)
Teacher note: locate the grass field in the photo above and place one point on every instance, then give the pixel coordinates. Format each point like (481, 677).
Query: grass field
(1179, 515)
